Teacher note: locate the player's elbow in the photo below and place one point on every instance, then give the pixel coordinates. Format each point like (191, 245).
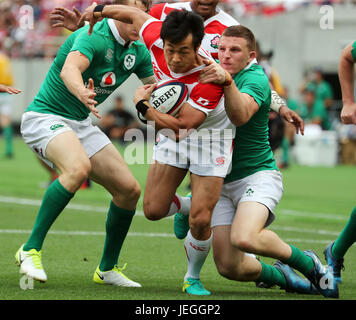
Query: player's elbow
(238, 119)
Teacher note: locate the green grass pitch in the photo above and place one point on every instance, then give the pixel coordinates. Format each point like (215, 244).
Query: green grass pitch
(315, 207)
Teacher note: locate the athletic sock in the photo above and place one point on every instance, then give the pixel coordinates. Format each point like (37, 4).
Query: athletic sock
(180, 204)
(118, 222)
(54, 201)
(346, 238)
(197, 251)
(8, 140)
(299, 261)
(272, 276)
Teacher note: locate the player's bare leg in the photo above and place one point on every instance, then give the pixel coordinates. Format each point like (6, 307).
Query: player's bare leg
(110, 170)
(67, 153)
(162, 183)
(249, 235)
(234, 264)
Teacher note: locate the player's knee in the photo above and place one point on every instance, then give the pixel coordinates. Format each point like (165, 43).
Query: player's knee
(79, 171)
(230, 270)
(132, 192)
(153, 211)
(200, 219)
(243, 242)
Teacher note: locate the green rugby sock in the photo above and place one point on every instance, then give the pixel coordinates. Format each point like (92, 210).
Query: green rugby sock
(54, 201)
(118, 222)
(299, 261)
(346, 238)
(272, 276)
(8, 140)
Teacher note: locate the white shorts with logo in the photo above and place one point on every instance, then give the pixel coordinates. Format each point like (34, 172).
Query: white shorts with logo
(5, 104)
(203, 157)
(38, 129)
(265, 187)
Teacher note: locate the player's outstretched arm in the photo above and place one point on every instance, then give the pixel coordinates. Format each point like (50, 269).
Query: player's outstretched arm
(123, 13)
(71, 74)
(9, 90)
(62, 17)
(346, 78)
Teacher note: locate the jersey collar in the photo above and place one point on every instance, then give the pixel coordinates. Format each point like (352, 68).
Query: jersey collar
(116, 33)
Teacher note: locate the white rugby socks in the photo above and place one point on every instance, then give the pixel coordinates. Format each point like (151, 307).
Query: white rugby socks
(196, 251)
(180, 204)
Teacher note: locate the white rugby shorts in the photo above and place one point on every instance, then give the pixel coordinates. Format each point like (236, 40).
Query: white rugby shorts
(265, 187)
(203, 157)
(38, 129)
(5, 104)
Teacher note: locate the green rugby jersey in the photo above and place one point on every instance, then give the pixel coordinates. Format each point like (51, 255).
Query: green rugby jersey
(252, 152)
(353, 51)
(111, 63)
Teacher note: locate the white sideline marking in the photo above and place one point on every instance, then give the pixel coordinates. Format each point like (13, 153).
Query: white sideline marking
(88, 208)
(134, 234)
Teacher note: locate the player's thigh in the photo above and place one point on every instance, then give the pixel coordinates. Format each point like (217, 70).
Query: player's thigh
(67, 153)
(205, 194)
(161, 185)
(250, 219)
(109, 169)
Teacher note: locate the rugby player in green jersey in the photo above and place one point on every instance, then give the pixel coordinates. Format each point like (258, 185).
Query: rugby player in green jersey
(254, 186)
(336, 250)
(57, 127)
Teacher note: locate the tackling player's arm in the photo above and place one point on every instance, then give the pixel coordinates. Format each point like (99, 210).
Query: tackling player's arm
(346, 77)
(123, 13)
(188, 117)
(239, 106)
(71, 74)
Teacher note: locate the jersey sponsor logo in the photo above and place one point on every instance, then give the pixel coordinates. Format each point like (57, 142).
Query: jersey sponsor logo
(214, 43)
(129, 61)
(108, 80)
(203, 102)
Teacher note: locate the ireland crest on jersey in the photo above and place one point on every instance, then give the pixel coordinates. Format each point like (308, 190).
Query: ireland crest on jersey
(129, 61)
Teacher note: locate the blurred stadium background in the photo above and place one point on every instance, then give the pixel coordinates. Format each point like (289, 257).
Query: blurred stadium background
(297, 37)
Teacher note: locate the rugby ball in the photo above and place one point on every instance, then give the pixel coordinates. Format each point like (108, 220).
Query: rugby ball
(168, 97)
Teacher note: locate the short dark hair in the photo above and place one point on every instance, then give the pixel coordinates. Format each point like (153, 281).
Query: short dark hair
(179, 24)
(241, 32)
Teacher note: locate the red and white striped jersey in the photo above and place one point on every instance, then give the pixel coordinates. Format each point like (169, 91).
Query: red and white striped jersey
(214, 26)
(207, 98)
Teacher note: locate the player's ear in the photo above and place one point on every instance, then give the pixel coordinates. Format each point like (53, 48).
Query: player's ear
(252, 55)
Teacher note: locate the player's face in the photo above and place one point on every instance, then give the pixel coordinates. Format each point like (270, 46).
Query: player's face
(127, 31)
(205, 8)
(234, 54)
(180, 57)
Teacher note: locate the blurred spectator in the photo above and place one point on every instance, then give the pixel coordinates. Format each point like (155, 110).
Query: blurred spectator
(313, 110)
(6, 79)
(315, 82)
(289, 130)
(117, 121)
